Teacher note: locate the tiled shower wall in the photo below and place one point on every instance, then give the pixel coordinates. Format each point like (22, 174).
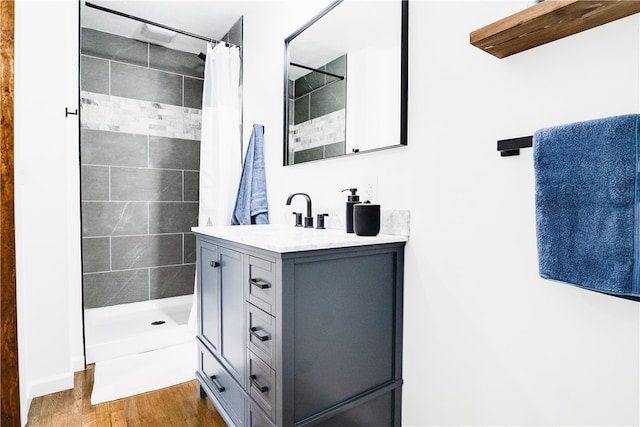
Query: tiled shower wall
(140, 131)
(317, 125)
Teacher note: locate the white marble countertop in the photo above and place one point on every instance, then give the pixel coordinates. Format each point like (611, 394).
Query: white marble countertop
(287, 238)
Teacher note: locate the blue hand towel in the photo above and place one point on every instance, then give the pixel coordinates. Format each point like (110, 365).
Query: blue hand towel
(587, 218)
(251, 202)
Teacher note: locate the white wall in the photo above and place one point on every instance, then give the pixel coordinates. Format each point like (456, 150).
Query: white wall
(487, 342)
(47, 198)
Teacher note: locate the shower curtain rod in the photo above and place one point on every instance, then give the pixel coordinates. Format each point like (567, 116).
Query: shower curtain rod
(146, 21)
(317, 70)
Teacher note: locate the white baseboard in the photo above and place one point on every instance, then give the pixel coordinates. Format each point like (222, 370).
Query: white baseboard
(45, 386)
(48, 385)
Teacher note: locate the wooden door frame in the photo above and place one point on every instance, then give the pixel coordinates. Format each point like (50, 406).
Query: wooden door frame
(9, 377)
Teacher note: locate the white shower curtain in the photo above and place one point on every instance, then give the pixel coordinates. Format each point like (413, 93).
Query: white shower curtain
(220, 153)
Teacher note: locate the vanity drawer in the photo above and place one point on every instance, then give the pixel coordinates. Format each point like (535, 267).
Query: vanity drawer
(262, 383)
(261, 285)
(224, 387)
(256, 418)
(261, 334)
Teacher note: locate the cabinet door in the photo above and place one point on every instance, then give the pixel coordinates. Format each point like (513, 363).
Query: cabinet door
(232, 332)
(209, 290)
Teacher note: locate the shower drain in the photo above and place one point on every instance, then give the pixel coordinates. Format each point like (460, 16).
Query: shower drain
(158, 322)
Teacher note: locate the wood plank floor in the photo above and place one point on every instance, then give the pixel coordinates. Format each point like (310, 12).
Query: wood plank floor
(173, 406)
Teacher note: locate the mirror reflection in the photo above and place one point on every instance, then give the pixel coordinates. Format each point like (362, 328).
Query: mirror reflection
(317, 117)
(346, 81)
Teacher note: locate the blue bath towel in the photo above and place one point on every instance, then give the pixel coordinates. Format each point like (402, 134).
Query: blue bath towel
(587, 214)
(251, 202)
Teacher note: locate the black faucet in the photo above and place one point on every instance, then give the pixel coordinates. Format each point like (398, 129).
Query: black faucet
(308, 220)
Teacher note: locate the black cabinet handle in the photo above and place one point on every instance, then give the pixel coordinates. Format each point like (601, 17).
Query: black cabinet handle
(259, 283)
(262, 388)
(214, 264)
(254, 332)
(216, 383)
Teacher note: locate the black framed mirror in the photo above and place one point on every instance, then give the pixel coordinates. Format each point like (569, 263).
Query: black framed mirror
(346, 81)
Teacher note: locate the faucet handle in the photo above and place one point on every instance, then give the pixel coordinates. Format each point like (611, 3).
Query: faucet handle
(308, 222)
(320, 225)
(298, 219)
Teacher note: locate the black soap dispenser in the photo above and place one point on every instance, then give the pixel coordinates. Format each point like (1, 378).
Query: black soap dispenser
(352, 199)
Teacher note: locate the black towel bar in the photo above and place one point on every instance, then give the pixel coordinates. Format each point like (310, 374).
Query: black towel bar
(511, 147)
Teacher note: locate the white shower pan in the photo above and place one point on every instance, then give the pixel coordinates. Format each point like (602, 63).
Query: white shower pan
(120, 330)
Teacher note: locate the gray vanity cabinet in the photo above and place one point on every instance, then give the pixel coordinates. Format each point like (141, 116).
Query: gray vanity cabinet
(301, 338)
(222, 306)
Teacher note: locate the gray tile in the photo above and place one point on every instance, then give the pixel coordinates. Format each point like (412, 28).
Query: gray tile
(148, 85)
(327, 100)
(95, 254)
(191, 186)
(116, 287)
(94, 74)
(174, 153)
(146, 184)
(335, 149)
(337, 66)
(189, 247)
(100, 147)
(290, 89)
(114, 218)
(301, 110)
(145, 251)
(172, 217)
(94, 183)
(302, 156)
(291, 106)
(172, 281)
(316, 80)
(193, 92)
(176, 61)
(309, 82)
(110, 46)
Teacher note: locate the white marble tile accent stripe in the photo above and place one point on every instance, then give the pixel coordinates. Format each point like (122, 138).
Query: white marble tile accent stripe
(317, 132)
(118, 114)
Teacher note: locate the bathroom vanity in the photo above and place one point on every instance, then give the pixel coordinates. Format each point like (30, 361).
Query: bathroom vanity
(300, 326)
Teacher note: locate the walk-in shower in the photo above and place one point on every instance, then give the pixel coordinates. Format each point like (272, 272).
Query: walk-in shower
(140, 143)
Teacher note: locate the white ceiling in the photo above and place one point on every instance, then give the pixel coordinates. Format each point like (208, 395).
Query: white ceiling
(351, 27)
(206, 18)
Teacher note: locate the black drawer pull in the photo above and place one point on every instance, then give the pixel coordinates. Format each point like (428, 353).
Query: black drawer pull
(260, 283)
(254, 332)
(214, 264)
(216, 383)
(262, 388)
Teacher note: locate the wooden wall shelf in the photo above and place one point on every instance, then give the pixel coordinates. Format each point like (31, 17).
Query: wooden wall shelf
(548, 21)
